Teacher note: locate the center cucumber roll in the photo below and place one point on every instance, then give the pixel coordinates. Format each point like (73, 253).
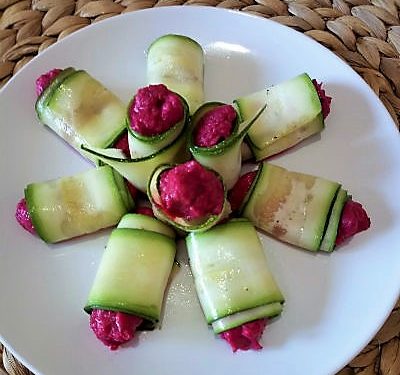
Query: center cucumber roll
(188, 196)
(232, 277)
(132, 278)
(72, 206)
(216, 137)
(177, 61)
(81, 110)
(294, 112)
(156, 117)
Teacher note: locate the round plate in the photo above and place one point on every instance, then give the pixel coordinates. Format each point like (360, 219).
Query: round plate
(335, 302)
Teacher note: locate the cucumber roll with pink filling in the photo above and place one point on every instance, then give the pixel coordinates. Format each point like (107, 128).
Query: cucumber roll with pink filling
(235, 287)
(304, 210)
(188, 196)
(296, 109)
(68, 207)
(156, 117)
(216, 138)
(79, 108)
(128, 291)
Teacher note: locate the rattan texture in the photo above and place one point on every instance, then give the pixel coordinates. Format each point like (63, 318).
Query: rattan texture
(364, 33)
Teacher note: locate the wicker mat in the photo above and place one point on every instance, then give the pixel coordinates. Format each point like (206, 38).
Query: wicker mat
(364, 33)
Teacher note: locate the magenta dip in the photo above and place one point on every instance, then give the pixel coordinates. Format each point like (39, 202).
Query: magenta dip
(215, 126)
(191, 191)
(154, 110)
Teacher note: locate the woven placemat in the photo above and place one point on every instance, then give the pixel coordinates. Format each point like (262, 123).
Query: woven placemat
(364, 33)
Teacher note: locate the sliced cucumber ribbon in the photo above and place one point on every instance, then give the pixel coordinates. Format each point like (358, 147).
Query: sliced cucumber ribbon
(231, 321)
(178, 62)
(294, 113)
(138, 171)
(179, 222)
(76, 205)
(145, 222)
(134, 271)
(142, 146)
(232, 276)
(79, 109)
(226, 156)
(296, 208)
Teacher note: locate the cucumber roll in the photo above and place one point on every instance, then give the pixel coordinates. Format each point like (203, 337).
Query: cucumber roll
(79, 108)
(216, 137)
(156, 117)
(128, 290)
(234, 285)
(68, 207)
(294, 112)
(177, 61)
(188, 196)
(306, 211)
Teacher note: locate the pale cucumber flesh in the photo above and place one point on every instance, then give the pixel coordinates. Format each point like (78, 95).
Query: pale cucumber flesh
(230, 270)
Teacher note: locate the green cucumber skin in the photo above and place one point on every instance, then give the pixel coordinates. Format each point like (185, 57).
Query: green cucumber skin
(232, 321)
(178, 62)
(72, 206)
(329, 239)
(124, 191)
(230, 270)
(290, 206)
(133, 273)
(139, 221)
(273, 132)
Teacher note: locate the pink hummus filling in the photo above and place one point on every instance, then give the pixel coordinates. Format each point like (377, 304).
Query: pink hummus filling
(246, 336)
(122, 144)
(325, 99)
(23, 217)
(45, 79)
(215, 126)
(191, 192)
(237, 194)
(354, 218)
(154, 110)
(114, 328)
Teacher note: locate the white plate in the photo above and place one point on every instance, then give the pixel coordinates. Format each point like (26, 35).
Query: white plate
(335, 303)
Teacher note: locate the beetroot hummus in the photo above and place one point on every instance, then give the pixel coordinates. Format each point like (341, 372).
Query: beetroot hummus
(122, 144)
(324, 99)
(215, 126)
(114, 328)
(246, 336)
(237, 194)
(45, 79)
(23, 217)
(191, 192)
(354, 219)
(154, 110)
